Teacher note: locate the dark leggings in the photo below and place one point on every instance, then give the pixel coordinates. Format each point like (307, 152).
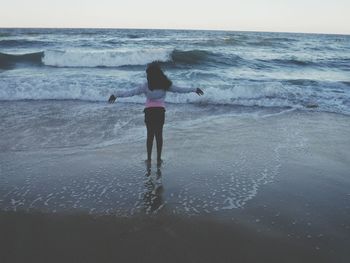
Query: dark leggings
(154, 119)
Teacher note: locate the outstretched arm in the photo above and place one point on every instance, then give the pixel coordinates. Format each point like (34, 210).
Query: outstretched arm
(185, 90)
(126, 93)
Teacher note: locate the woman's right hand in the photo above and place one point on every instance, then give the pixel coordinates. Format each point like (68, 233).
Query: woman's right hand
(199, 92)
(112, 99)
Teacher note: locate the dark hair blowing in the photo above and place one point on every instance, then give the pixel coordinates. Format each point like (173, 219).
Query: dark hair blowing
(156, 78)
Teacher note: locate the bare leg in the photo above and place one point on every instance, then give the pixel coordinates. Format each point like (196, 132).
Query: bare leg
(159, 140)
(150, 136)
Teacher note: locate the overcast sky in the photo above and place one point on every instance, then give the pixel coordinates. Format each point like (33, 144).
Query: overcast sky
(325, 16)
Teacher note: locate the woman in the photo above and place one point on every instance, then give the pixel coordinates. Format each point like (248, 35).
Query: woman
(155, 90)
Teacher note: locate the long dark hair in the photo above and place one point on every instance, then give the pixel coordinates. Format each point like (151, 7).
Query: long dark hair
(156, 78)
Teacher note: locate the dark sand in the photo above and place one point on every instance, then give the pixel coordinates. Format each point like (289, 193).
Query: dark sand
(83, 238)
(273, 189)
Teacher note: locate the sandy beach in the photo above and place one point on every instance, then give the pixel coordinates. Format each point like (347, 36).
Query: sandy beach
(83, 238)
(233, 187)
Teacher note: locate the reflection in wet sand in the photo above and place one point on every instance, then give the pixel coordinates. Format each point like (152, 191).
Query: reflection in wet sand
(152, 197)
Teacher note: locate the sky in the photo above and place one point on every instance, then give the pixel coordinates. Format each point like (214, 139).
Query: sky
(322, 16)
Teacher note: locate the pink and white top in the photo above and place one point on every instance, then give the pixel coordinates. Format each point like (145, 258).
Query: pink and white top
(154, 98)
(154, 103)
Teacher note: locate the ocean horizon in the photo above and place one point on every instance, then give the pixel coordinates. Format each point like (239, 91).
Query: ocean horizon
(236, 68)
(255, 169)
(184, 29)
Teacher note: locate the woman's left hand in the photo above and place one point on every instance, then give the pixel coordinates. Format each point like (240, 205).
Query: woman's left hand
(199, 92)
(112, 99)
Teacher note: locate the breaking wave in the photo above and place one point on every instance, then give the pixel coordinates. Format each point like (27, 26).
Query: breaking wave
(172, 57)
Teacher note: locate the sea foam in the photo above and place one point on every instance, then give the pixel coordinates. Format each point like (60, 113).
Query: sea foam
(104, 58)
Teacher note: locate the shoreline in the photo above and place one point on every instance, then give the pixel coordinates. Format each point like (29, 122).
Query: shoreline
(266, 188)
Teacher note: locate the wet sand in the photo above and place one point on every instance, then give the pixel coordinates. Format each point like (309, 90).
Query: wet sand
(82, 238)
(271, 189)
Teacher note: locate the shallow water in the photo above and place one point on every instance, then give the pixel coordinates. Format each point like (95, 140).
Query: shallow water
(267, 146)
(212, 163)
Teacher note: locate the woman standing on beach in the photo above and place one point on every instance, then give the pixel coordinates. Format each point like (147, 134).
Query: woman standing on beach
(155, 91)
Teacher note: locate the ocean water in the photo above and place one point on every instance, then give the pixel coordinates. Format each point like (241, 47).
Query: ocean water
(54, 83)
(234, 68)
(59, 138)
